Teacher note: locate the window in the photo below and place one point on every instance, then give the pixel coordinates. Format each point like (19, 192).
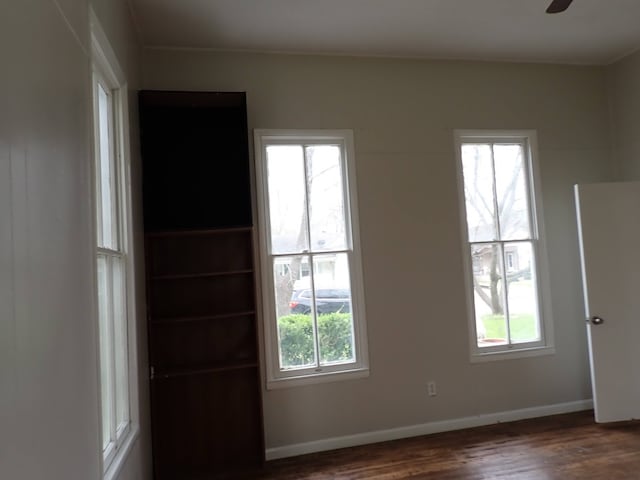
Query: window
(313, 296)
(503, 245)
(114, 283)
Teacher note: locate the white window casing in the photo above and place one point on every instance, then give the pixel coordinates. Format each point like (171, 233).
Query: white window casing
(307, 190)
(114, 274)
(504, 254)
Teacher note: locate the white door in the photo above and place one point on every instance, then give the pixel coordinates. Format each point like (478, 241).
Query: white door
(609, 230)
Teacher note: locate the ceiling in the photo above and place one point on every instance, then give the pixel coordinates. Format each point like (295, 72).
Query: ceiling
(589, 32)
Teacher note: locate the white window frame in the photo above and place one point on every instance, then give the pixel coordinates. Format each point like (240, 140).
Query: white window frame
(277, 378)
(107, 72)
(545, 346)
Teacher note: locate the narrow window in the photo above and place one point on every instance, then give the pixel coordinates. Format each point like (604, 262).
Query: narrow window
(314, 311)
(115, 293)
(503, 245)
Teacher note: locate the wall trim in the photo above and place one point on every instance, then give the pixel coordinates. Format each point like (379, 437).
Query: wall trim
(71, 28)
(425, 429)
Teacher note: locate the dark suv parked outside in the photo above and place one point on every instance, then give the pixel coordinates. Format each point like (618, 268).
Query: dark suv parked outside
(328, 300)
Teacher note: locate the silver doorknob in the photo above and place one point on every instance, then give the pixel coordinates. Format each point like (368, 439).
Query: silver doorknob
(595, 320)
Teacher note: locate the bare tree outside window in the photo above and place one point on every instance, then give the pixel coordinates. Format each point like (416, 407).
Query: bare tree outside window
(499, 227)
(310, 256)
(310, 245)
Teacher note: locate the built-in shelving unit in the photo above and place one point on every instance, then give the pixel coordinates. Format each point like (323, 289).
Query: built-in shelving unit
(201, 296)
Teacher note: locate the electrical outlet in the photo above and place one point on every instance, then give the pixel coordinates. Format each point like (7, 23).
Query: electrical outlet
(431, 388)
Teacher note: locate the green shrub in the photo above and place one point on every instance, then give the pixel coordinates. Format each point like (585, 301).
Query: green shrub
(296, 339)
(523, 327)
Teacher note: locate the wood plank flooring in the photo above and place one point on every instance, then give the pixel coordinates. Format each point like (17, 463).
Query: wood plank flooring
(562, 447)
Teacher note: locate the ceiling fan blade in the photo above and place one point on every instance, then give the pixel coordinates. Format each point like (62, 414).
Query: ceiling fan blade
(558, 6)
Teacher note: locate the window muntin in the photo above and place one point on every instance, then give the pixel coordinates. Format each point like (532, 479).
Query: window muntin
(503, 244)
(313, 309)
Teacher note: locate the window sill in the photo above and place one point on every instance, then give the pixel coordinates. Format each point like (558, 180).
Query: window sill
(313, 378)
(114, 468)
(480, 357)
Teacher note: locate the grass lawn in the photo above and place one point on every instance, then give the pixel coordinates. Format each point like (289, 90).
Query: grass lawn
(523, 327)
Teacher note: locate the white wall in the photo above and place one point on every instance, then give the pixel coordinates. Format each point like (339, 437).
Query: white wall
(623, 82)
(49, 418)
(403, 113)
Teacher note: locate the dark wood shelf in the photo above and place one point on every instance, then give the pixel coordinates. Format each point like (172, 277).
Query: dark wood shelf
(201, 318)
(200, 275)
(200, 254)
(202, 371)
(209, 232)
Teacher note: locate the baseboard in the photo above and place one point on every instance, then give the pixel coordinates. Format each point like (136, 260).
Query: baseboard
(425, 429)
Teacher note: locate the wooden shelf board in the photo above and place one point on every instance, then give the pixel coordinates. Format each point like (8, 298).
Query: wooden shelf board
(201, 318)
(180, 276)
(182, 372)
(212, 231)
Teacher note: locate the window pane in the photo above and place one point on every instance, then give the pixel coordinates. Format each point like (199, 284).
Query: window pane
(120, 343)
(478, 191)
(326, 198)
(106, 173)
(294, 312)
(104, 311)
(522, 295)
(287, 204)
(333, 306)
(488, 289)
(511, 192)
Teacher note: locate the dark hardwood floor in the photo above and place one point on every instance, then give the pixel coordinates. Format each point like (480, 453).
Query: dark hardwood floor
(562, 447)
